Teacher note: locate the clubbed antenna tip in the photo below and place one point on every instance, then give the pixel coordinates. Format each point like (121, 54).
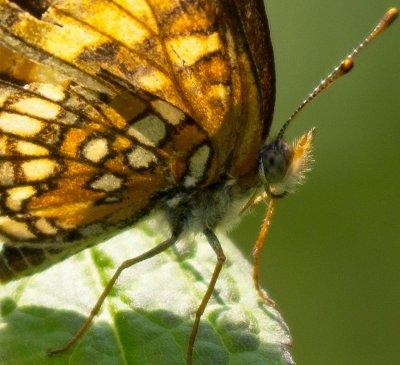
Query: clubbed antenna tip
(345, 66)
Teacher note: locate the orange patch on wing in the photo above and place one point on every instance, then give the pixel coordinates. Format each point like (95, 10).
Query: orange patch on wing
(72, 141)
(184, 140)
(68, 191)
(117, 165)
(121, 144)
(75, 168)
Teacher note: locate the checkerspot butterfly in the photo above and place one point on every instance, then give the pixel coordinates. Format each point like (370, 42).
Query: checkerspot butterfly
(111, 109)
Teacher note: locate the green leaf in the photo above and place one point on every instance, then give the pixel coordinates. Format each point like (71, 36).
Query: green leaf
(148, 316)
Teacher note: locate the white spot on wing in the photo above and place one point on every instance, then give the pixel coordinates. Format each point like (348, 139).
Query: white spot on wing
(96, 149)
(45, 227)
(50, 91)
(30, 149)
(107, 182)
(37, 107)
(171, 114)
(150, 130)
(15, 228)
(139, 157)
(39, 169)
(197, 165)
(20, 125)
(16, 196)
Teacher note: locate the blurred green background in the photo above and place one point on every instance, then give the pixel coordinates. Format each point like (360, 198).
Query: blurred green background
(332, 258)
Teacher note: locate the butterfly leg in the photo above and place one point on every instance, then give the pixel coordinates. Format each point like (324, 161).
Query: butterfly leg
(128, 263)
(257, 250)
(216, 246)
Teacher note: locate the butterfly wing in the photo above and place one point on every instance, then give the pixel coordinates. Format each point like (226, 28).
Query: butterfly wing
(73, 171)
(152, 95)
(210, 59)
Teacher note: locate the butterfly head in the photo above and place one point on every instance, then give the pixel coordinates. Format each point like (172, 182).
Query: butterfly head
(283, 165)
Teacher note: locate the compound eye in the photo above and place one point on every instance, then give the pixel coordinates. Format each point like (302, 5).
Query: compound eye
(274, 167)
(275, 160)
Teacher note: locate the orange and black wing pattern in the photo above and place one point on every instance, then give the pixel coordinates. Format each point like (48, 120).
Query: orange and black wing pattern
(107, 105)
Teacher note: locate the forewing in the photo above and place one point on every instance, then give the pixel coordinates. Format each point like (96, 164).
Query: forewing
(200, 56)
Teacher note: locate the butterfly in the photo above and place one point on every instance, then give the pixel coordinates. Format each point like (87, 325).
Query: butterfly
(110, 110)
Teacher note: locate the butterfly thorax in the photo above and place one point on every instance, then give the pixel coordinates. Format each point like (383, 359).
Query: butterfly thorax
(217, 205)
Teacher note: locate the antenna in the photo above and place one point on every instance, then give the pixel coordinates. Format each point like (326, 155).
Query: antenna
(344, 67)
